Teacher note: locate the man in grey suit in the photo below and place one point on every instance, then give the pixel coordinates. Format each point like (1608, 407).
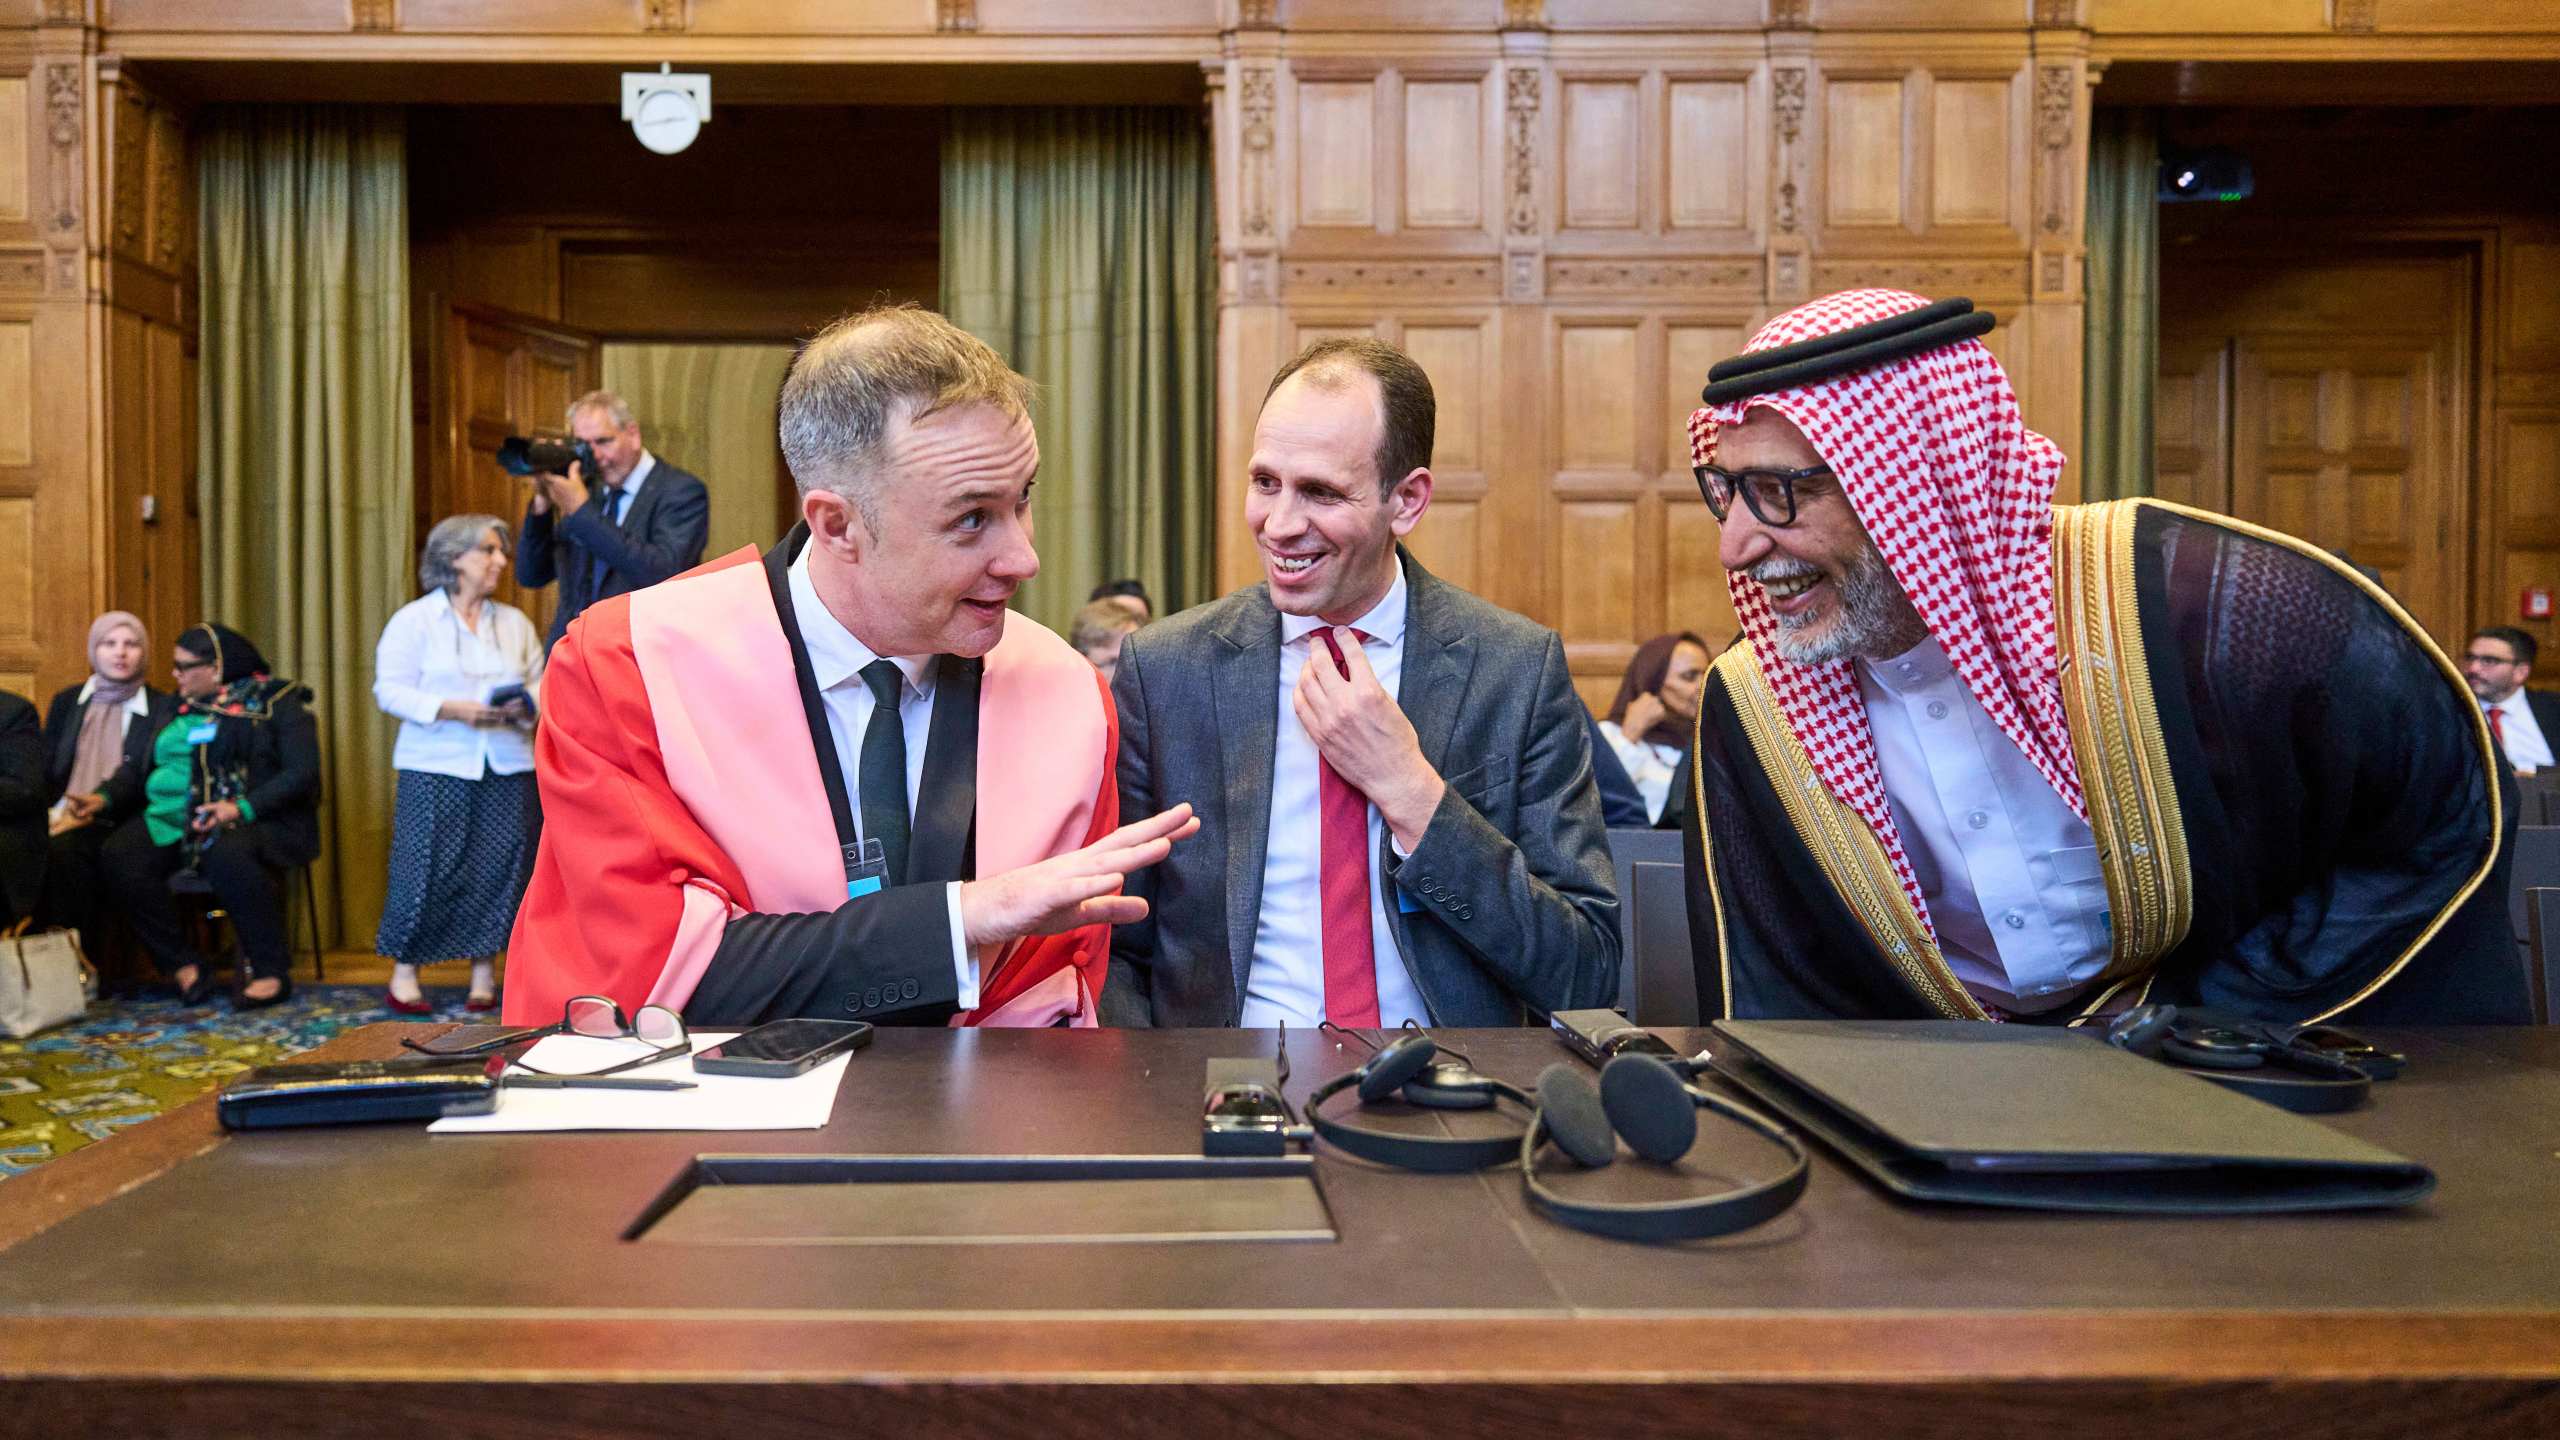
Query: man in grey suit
(1393, 777)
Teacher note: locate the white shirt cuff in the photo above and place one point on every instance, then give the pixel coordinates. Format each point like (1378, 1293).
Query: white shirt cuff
(964, 961)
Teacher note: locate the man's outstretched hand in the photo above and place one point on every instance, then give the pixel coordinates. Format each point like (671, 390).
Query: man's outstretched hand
(1081, 887)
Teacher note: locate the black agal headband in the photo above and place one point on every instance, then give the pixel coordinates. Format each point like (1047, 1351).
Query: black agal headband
(1784, 367)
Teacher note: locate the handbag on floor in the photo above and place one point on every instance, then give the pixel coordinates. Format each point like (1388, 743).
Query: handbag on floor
(44, 980)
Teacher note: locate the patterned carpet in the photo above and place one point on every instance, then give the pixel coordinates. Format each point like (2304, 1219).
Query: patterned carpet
(130, 1059)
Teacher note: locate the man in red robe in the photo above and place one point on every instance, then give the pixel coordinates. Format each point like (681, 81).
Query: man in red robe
(761, 780)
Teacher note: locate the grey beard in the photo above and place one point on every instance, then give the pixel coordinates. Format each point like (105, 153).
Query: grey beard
(1877, 621)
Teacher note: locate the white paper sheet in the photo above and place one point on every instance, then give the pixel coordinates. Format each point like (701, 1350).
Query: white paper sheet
(717, 1102)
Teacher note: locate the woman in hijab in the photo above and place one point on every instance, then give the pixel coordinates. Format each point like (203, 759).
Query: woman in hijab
(90, 731)
(228, 798)
(1657, 706)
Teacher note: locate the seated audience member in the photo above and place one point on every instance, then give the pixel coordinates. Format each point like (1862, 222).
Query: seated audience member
(1985, 756)
(90, 731)
(2525, 723)
(1099, 629)
(638, 522)
(721, 756)
(1393, 776)
(1656, 711)
(228, 797)
(1621, 803)
(1134, 592)
(22, 807)
(462, 825)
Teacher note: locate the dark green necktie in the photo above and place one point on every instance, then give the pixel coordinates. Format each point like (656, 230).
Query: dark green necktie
(884, 768)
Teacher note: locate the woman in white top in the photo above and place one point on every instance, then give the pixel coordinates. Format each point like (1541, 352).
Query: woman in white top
(464, 675)
(1650, 722)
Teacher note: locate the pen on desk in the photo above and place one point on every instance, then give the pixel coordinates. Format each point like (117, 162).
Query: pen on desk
(589, 1082)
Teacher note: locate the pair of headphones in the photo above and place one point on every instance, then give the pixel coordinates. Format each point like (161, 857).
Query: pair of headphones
(2316, 1070)
(1642, 1099)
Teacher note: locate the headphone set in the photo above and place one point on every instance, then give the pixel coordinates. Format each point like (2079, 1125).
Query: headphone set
(2310, 1070)
(1641, 1099)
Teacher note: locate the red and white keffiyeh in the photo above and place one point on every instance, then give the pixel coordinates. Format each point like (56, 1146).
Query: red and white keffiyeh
(1957, 494)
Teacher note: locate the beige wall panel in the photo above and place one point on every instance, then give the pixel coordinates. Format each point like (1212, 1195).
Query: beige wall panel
(1689, 351)
(1443, 154)
(1595, 398)
(1337, 135)
(286, 15)
(1745, 15)
(1049, 17)
(1970, 150)
(21, 682)
(1709, 133)
(1694, 594)
(1596, 541)
(2207, 17)
(2530, 315)
(1447, 542)
(1308, 334)
(17, 571)
(1454, 357)
(17, 393)
(1863, 152)
(2380, 409)
(13, 147)
(1603, 138)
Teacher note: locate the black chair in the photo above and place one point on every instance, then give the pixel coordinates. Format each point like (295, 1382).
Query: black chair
(1657, 967)
(2536, 864)
(213, 936)
(2538, 795)
(2542, 928)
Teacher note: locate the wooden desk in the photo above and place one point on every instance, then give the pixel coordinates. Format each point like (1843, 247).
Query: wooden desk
(379, 1281)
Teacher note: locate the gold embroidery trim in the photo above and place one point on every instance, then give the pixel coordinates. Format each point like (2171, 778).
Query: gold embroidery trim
(1851, 857)
(1707, 855)
(2116, 740)
(2479, 725)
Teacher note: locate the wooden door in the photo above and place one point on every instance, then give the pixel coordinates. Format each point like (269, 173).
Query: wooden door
(2327, 397)
(2341, 443)
(500, 374)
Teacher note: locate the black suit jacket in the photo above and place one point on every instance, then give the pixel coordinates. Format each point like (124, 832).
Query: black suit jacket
(884, 957)
(62, 733)
(24, 798)
(661, 536)
(280, 756)
(2545, 706)
(1507, 907)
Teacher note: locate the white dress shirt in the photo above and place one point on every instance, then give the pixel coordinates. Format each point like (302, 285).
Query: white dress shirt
(138, 705)
(427, 656)
(2527, 747)
(631, 485)
(836, 659)
(1286, 979)
(1649, 763)
(2010, 873)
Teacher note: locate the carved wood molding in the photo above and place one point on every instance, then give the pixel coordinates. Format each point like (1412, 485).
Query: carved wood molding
(2057, 107)
(2354, 17)
(62, 101)
(1524, 14)
(1577, 278)
(955, 17)
(1524, 279)
(1479, 279)
(1790, 14)
(66, 12)
(1256, 87)
(128, 163)
(665, 15)
(1257, 14)
(1937, 279)
(21, 273)
(1257, 278)
(373, 14)
(1787, 86)
(1522, 93)
(2057, 12)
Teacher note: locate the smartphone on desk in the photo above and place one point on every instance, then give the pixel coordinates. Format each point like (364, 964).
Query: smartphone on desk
(783, 1048)
(1601, 1035)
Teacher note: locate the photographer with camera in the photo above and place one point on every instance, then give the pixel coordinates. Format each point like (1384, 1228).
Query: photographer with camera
(613, 518)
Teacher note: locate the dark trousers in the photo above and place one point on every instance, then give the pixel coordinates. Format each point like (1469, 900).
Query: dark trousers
(138, 872)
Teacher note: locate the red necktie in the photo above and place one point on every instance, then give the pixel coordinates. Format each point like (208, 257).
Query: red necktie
(2498, 728)
(1350, 960)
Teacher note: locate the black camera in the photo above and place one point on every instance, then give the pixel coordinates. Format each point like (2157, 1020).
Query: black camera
(518, 455)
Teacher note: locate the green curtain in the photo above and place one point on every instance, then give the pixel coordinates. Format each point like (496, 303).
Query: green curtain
(710, 409)
(2120, 348)
(1076, 241)
(303, 446)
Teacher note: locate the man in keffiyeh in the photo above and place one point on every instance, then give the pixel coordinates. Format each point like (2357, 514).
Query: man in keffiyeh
(1988, 757)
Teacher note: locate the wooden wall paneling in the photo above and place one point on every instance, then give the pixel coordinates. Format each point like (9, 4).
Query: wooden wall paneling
(1866, 150)
(2190, 403)
(1715, 154)
(1336, 149)
(150, 519)
(1607, 186)
(506, 374)
(1462, 353)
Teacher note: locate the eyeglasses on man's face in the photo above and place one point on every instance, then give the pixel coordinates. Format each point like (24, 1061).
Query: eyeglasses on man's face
(1771, 494)
(2474, 657)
